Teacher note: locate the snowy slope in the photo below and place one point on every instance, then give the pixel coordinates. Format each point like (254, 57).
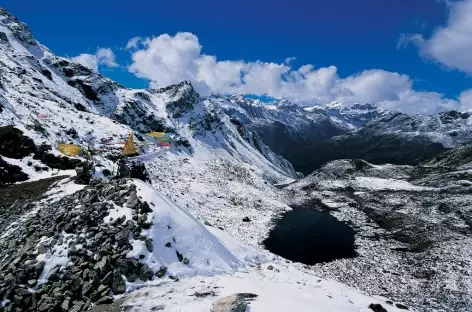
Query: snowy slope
(278, 287)
(211, 252)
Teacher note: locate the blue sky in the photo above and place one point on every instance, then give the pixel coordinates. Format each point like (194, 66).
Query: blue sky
(353, 36)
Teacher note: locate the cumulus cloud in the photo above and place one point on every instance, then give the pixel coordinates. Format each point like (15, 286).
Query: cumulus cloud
(450, 45)
(166, 60)
(103, 56)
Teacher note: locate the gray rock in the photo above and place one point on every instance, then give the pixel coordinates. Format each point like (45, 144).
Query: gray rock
(12, 244)
(9, 278)
(76, 282)
(107, 279)
(100, 292)
(132, 200)
(105, 300)
(162, 271)
(69, 227)
(102, 265)
(127, 266)
(149, 244)
(46, 304)
(145, 273)
(65, 304)
(118, 284)
(86, 288)
(122, 238)
(234, 303)
(77, 307)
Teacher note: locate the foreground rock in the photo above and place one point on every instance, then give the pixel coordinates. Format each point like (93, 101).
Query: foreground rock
(72, 252)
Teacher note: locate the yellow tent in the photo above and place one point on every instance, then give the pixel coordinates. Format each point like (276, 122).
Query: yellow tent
(69, 149)
(129, 148)
(156, 134)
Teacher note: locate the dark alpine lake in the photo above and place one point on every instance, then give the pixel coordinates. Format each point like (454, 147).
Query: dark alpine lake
(310, 237)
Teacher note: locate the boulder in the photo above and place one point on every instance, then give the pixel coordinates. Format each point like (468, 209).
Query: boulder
(145, 273)
(162, 271)
(132, 200)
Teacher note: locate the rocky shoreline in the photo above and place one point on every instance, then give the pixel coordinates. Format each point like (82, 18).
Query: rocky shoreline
(412, 224)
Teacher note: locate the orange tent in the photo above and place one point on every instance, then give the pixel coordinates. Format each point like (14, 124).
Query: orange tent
(130, 148)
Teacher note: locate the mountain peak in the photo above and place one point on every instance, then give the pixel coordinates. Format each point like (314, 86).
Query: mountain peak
(287, 106)
(18, 29)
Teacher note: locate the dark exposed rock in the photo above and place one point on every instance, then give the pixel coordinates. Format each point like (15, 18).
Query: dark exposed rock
(162, 271)
(73, 133)
(122, 238)
(180, 257)
(145, 273)
(13, 144)
(377, 307)
(148, 243)
(107, 279)
(10, 174)
(46, 73)
(118, 284)
(3, 37)
(138, 171)
(401, 306)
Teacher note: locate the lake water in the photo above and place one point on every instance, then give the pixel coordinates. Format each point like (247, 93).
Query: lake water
(310, 237)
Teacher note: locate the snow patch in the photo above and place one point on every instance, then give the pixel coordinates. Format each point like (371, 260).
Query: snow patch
(209, 251)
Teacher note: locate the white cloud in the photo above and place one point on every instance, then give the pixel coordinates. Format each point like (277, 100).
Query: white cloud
(288, 60)
(451, 45)
(133, 43)
(166, 60)
(106, 57)
(466, 99)
(88, 60)
(103, 56)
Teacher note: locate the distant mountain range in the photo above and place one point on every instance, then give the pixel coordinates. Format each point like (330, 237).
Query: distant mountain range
(311, 136)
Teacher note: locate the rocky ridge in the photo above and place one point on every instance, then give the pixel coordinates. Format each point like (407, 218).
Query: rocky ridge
(71, 253)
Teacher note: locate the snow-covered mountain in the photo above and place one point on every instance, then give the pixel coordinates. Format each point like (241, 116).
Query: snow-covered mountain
(288, 128)
(395, 138)
(78, 101)
(313, 135)
(195, 227)
(66, 246)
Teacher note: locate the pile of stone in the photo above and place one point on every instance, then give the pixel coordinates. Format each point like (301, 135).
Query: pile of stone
(79, 228)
